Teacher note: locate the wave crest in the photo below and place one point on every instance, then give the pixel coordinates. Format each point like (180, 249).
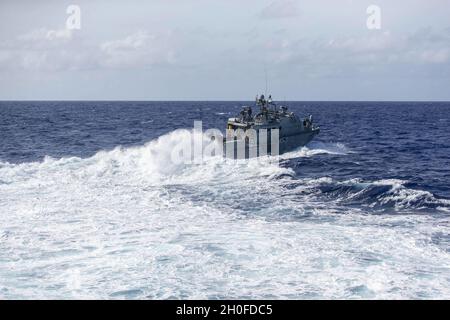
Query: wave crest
(381, 194)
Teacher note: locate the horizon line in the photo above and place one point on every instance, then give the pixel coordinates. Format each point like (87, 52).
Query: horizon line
(202, 100)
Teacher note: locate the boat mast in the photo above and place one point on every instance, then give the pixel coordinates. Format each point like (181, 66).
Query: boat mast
(265, 75)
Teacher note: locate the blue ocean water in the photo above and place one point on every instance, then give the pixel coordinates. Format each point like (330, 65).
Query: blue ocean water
(91, 206)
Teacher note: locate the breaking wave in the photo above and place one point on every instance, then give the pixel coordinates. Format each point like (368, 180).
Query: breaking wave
(316, 148)
(152, 165)
(380, 194)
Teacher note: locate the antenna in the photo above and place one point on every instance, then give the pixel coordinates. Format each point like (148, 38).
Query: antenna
(265, 74)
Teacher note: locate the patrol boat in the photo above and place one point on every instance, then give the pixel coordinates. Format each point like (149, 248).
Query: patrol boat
(273, 130)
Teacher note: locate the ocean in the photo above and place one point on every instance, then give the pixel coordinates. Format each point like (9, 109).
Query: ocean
(92, 207)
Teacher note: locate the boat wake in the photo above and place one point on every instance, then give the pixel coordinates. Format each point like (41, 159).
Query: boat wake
(152, 165)
(383, 195)
(131, 223)
(317, 147)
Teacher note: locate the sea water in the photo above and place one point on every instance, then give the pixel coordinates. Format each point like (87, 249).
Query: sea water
(91, 205)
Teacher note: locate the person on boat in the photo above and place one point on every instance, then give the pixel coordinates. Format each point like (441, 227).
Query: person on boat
(262, 100)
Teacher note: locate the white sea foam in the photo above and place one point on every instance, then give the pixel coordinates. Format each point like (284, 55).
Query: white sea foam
(399, 196)
(315, 148)
(128, 223)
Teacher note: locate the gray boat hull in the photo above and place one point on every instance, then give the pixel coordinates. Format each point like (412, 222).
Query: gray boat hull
(234, 149)
(293, 142)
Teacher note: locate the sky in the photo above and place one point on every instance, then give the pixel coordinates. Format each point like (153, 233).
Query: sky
(225, 50)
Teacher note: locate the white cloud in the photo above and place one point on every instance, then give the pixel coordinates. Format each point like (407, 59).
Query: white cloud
(424, 53)
(44, 34)
(60, 50)
(383, 52)
(378, 42)
(134, 41)
(280, 9)
(139, 49)
(436, 56)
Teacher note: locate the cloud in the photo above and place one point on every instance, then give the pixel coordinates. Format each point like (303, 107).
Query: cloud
(139, 49)
(436, 56)
(374, 43)
(386, 47)
(47, 50)
(44, 34)
(62, 50)
(420, 52)
(280, 9)
(425, 52)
